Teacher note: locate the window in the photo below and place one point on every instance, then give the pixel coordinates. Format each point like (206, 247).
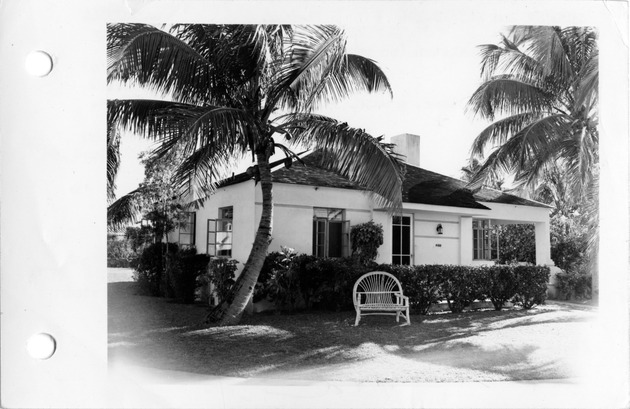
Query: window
(187, 231)
(331, 233)
(401, 240)
(485, 241)
(220, 234)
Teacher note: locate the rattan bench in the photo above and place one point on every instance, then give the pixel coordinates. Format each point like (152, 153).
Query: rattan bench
(379, 293)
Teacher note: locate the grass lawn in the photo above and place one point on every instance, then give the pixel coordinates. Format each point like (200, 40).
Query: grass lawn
(548, 342)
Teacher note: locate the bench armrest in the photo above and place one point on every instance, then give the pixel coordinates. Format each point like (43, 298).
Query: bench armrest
(402, 299)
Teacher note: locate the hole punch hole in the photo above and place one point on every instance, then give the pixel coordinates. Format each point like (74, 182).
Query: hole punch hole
(41, 346)
(38, 63)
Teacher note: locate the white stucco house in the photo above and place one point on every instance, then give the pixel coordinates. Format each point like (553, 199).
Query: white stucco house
(441, 223)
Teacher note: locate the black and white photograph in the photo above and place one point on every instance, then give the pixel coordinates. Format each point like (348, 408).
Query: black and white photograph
(317, 204)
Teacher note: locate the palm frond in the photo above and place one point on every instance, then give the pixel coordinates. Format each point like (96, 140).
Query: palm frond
(201, 170)
(170, 122)
(500, 131)
(587, 85)
(509, 96)
(125, 210)
(143, 116)
(508, 59)
(527, 152)
(317, 70)
(496, 165)
(545, 44)
(353, 153)
(354, 74)
(537, 146)
(113, 160)
(139, 54)
(581, 158)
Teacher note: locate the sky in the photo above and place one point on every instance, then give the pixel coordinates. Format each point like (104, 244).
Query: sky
(431, 57)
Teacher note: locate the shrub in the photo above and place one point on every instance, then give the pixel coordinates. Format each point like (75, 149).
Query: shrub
(139, 238)
(366, 238)
(282, 287)
(291, 280)
(119, 252)
(531, 285)
(517, 243)
(569, 244)
(150, 269)
(221, 273)
(572, 284)
(272, 262)
(309, 278)
(335, 280)
(185, 269)
(499, 284)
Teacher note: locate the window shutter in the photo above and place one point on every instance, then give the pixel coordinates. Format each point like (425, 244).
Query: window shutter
(212, 238)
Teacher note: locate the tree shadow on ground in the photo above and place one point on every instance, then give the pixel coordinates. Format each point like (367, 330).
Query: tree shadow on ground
(484, 345)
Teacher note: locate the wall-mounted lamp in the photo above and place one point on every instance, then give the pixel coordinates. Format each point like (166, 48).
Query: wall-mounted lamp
(439, 229)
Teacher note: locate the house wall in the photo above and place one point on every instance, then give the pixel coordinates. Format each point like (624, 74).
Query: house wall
(431, 247)
(293, 215)
(293, 212)
(241, 198)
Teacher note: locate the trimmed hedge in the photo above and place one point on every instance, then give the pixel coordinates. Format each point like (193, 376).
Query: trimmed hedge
(531, 285)
(420, 283)
(500, 285)
(320, 283)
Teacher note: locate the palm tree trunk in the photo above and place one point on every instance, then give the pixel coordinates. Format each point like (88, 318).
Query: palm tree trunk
(231, 309)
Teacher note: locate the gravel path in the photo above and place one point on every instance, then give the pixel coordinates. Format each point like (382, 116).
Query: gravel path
(548, 342)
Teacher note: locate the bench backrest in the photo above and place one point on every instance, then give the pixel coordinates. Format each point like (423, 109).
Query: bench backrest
(376, 287)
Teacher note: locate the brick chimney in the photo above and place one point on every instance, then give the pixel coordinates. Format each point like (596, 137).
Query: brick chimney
(408, 145)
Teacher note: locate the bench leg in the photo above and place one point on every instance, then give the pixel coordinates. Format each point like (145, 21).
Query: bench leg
(356, 321)
(397, 316)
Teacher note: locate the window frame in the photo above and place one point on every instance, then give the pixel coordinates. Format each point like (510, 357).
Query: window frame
(484, 234)
(321, 231)
(225, 226)
(397, 258)
(190, 224)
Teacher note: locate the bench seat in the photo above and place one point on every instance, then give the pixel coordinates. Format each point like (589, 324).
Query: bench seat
(379, 293)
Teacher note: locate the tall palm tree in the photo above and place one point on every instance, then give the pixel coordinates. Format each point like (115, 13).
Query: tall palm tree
(240, 90)
(540, 89)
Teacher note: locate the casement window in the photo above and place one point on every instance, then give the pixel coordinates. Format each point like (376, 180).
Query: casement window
(220, 237)
(331, 233)
(485, 241)
(401, 240)
(186, 237)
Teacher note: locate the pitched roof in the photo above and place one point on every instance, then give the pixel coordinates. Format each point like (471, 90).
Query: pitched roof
(420, 185)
